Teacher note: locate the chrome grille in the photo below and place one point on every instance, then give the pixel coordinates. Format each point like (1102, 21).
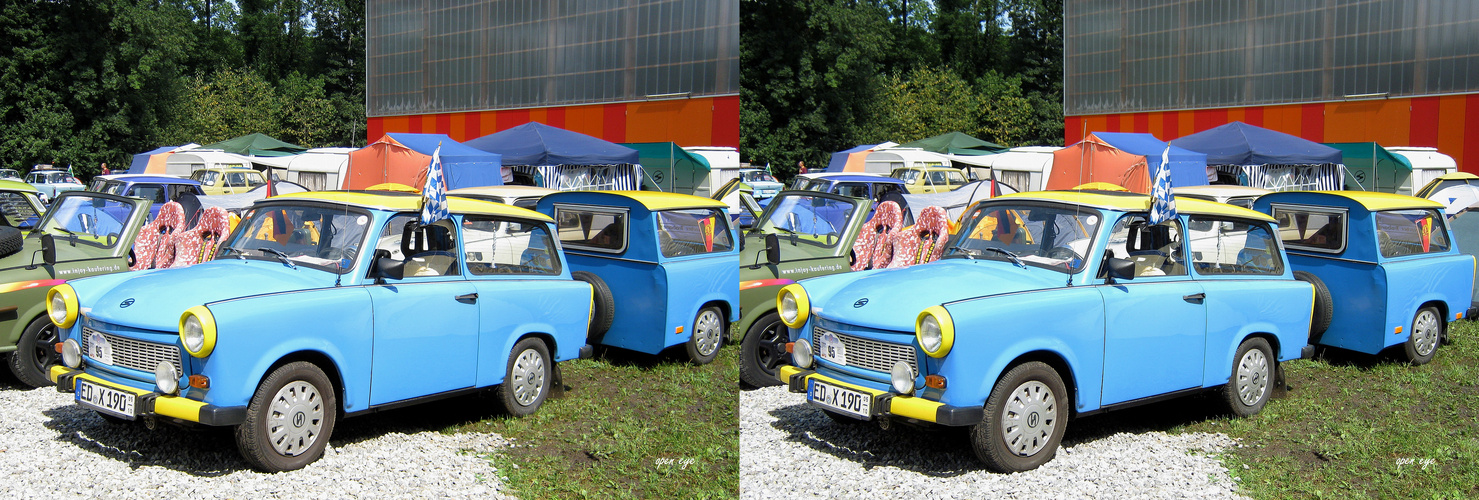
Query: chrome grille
(135, 354)
(872, 354)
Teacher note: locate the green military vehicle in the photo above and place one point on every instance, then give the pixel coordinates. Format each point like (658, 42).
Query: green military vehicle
(800, 234)
(82, 234)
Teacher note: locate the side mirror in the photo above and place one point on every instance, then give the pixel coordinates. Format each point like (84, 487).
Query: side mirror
(386, 267)
(1119, 269)
(772, 249)
(48, 249)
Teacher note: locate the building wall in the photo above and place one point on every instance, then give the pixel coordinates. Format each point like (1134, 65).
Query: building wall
(1449, 123)
(704, 121)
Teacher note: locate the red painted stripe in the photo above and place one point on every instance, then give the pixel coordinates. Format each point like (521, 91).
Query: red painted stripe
(414, 124)
(1312, 122)
(746, 285)
(1424, 128)
(443, 124)
(511, 118)
(1171, 125)
(472, 125)
(1142, 123)
(374, 130)
(614, 122)
(1204, 119)
(555, 117)
(1071, 124)
(1253, 116)
(726, 131)
(1467, 161)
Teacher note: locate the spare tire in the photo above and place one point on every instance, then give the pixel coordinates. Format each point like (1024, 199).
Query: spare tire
(605, 305)
(11, 240)
(1324, 305)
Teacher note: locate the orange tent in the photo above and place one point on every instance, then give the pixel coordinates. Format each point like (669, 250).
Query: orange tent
(1125, 160)
(403, 158)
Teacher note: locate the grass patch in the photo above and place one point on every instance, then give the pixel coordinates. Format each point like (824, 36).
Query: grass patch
(629, 425)
(1358, 426)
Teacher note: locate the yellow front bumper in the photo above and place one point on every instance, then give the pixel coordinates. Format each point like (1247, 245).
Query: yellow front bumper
(887, 403)
(151, 403)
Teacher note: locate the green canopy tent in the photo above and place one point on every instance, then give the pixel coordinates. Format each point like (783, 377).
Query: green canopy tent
(667, 167)
(1370, 167)
(955, 143)
(256, 145)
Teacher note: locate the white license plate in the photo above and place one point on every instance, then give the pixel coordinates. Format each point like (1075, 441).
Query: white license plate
(99, 349)
(111, 401)
(848, 401)
(830, 348)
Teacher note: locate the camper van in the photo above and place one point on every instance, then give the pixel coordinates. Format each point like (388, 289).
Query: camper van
(1025, 168)
(1427, 164)
(886, 161)
(724, 164)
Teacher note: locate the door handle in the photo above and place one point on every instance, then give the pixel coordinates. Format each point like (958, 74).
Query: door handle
(470, 298)
(1195, 298)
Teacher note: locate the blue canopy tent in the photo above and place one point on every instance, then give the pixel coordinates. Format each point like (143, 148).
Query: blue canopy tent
(840, 159)
(569, 161)
(1123, 159)
(140, 163)
(403, 158)
(1259, 157)
(1188, 168)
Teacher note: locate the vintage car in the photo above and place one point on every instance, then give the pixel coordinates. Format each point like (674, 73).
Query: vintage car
(228, 180)
(1390, 273)
(924, 180)
(662, 265)
(876, 187)
(1446, 181)
(761, 182)
(802, 234)
(327, 305)
(1230, 194)
(10, 174)
(158, 189)
(82, 234)
(52, 182)
(1049, 306)
(519, 196)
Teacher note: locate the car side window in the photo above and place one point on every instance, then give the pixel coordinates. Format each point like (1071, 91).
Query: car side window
(601, 229)
(501, 246)
(1155, 249)
(152, 192)
(691, 232)
(427, 250)
(1318, 229)
(17, 209)
(1410, 232)
(1223, 246)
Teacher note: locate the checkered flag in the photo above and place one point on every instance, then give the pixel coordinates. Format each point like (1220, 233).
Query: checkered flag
(434, 193)
(1163, 204)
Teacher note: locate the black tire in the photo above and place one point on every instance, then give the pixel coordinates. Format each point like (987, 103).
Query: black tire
(763, 351)
(11, 240)
(1041, 389)
(1251, 383)
(312, 408)
(527, 379)
(35, 352)
(1324, 306)
(707, 335)
(605, 304)
(1423, 339)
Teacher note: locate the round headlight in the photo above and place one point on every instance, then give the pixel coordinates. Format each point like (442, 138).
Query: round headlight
(198, 331)
(793, 305)
(935, 331)
(902, 377)
(61, 305)
(71, 354)
(801, 354)
(166, 379)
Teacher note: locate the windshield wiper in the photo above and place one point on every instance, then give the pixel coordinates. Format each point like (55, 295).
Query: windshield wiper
(281, 256)
(969, 253)
(1008, 253)
(240, 254)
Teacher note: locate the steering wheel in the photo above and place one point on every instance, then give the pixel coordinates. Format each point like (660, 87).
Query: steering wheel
(1256, 261)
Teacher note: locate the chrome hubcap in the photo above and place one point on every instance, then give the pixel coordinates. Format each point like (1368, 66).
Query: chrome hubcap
(1029, 418)
(706, 332)
(1425, 333)
(296, 418)
(1252, 377)
(528, 377)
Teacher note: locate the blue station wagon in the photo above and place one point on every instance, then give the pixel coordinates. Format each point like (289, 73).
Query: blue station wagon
(1047, 306)
(322, 306)
(662, 265)
(1387, 268)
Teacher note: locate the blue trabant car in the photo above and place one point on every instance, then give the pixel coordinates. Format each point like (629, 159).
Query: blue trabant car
(322, 306)
(1048, 306)
(158, 189)
(1389, 271)
(662, 265)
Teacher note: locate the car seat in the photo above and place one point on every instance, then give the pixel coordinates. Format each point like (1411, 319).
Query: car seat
(924, 242)
(200, 242)
(873, 248)
(154, 247)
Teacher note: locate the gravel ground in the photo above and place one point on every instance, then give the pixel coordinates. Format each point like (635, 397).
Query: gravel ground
(789, 450)
(51, 448)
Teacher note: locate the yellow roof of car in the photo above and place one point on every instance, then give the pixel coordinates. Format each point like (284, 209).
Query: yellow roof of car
(658, 200)
(17, 186)
(1131, 202)
(402, 203)
(1456, 175)
(1376, 201)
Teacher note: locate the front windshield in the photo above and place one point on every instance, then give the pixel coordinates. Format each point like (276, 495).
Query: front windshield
(810, 219)
(88, 220)
(319, 236)
(757, 177)
(1048, 236)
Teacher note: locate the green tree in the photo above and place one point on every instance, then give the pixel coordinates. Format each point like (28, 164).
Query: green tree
(922, 103)
(226, 104)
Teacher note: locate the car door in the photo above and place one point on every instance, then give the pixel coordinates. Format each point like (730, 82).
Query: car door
(1155, 323)
(426, 324)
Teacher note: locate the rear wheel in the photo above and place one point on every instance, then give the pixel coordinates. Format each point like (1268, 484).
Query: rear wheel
(763, 351)
(707, 335)
(35, 352)
(1251, 382)
(527, 382)
(1422, 342)
(289, 419)
(1024, 420)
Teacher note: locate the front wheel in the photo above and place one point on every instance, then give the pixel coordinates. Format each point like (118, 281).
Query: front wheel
(1024, 421)
(763, 351)
(289, 419)
(1251, 382)
(1427, 329)
(35, 352)
(708, 334)
(527, 381)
